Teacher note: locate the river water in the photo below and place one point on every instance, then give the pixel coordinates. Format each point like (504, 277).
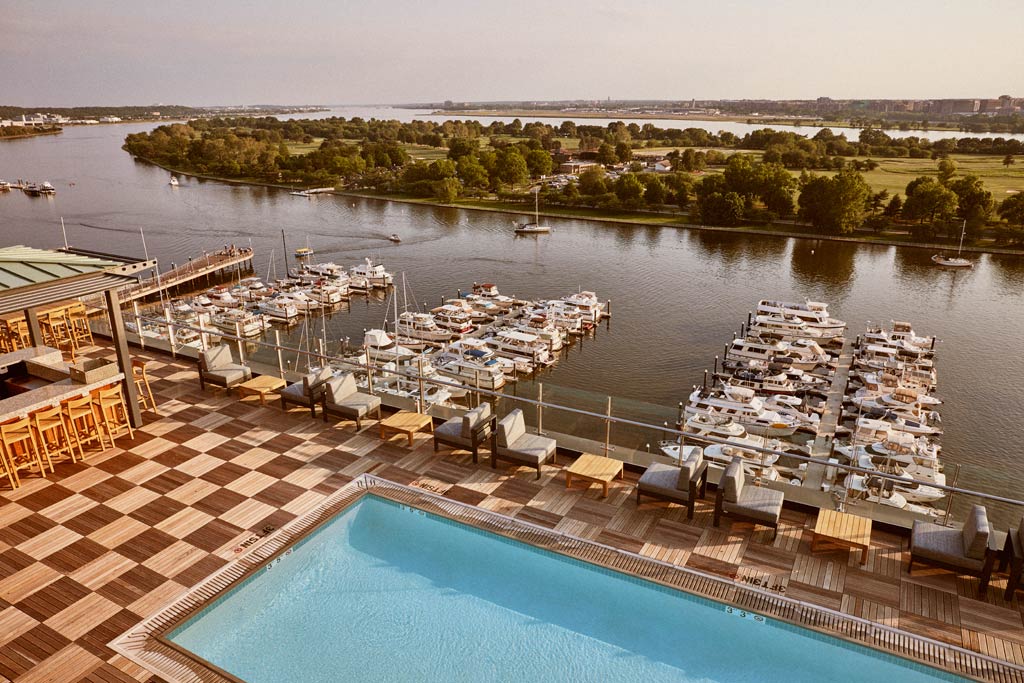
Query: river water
(677, 294)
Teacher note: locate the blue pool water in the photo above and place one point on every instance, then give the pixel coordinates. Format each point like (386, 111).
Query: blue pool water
(387, 593)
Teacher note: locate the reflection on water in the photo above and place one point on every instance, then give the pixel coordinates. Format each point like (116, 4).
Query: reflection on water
(677, 294)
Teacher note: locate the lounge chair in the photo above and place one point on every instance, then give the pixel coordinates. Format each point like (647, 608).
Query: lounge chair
(466, 432)
(971, 550)
(755, 504)
(342, 398)
(682, 484)
(511, 442)
(218, 368)
(307, 392)
(1013, 552)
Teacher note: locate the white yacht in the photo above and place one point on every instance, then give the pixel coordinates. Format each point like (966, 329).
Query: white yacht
(453, 318)
(514, 344)
(279, 307)
(47, 188)
(883, 492)
(789, 328)
(4, 186)
(173, 182)
(239, 321)
(814, 313)
(562, 315)
(546, 330)
(902, 336)
(421, 326)
(373, 272)
(480, 373)
(762, 382)
(588, 305)
(222, 298)
(743, 407)
(490, 291)
(790, 354)
(328, 294)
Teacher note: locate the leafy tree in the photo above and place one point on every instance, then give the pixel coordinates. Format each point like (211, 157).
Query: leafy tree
(447, 191)
(721, 209)
(947, 169)
(606, 154)
(592, 181)
(974, 202)
(511, 167)
(1012, 209)
(739, 174)
(571, 193)
(441, 169)
(928, 200)
(629, 190)
(894, 207)
(835, 204)
(538, 162)
(623, 152)
(654, 194)
(471, 172)
(461, 147)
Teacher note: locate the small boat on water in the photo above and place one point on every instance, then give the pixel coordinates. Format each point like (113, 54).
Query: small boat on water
(954, 261)
(394, 237)
(47, 188)
(374, 273)
(246, 323)
(31, 189)
(4, 186)
(173, 182)
(534, 228)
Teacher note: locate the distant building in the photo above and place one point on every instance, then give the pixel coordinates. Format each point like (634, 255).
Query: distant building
(110, 119)
(575, 167)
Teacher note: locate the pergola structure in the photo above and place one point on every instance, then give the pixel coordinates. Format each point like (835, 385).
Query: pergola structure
(31, 279)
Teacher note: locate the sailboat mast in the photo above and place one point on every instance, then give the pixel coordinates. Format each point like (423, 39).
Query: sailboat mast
(536, 206)
(963, 231)
(285, 245)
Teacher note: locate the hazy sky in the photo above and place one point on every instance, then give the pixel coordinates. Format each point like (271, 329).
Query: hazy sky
(64, 53)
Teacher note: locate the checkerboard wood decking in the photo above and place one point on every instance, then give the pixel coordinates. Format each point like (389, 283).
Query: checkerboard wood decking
(92, 550)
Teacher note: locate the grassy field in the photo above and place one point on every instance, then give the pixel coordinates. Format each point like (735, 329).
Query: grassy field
(894, 174)
(300, 148)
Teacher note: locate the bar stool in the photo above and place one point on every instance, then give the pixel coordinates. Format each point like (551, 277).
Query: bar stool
(57, 334)
(52, 436)
(20, 447)
(78, 318)
(80, 420)
(112, 412)
(145, 392)
(7, 468)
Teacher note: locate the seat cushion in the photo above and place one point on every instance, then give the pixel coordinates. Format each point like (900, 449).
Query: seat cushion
(358, 404)
(217, 357)
(660, 480)
(473, 418)
(511, 427)
(529, 448)
(733, 481)
(341, 386)
(294, 393)
(975, 533)
(451, 432)
(314, 380)
(688, 470)
(757, 502)
(228, 375)
(942, 544)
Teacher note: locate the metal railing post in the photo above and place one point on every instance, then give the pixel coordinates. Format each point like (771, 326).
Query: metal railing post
(238, 338)
(608, 430)
(138, 325)
(422, 400)
(369, 372)
(280, 358)
(204, 340)
(540, 408)
(170, 332)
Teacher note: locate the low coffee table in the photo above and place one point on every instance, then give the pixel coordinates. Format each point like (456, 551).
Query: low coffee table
(406, 422)
(262, 385)
(595, 468)
(841, 528)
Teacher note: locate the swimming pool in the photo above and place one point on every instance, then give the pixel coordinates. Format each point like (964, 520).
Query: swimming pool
(388, 592)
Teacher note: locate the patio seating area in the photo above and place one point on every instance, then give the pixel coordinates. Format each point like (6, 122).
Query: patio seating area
(99, 544)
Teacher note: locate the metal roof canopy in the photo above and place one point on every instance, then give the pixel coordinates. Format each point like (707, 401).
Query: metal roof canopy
(30, 277)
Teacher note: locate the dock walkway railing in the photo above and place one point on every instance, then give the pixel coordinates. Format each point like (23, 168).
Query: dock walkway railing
(588, 428)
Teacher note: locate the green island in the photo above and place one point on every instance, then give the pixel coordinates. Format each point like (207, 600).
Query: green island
(877, 188)
(17, 132)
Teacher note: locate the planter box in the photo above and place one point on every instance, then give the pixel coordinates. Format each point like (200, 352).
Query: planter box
(89, 371)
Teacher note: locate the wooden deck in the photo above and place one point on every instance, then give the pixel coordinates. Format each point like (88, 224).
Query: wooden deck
(88, 553)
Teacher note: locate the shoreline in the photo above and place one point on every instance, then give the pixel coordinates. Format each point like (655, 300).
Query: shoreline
(667, 220)
(787, 122)
(30, 135)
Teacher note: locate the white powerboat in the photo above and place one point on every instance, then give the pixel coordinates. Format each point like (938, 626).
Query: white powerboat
(796, 354)
(453, 319)
(279, 308)
(173, 182)
(743, 407)
(814, 313)
(516, 344)
(789, 328)
(883, 492)
(482, 374)
(239, 321)
(588, 305)
(374, 273)
(421, 326)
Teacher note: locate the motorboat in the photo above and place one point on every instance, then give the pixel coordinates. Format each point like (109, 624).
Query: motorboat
(485, 374)
(322, 271)
(47, 188)
(814, 313)
(279, 307)
(873, 489)
(766, 382)
(745, 408)
(913, 491)
(173, 182)
(789, 328)
(393, 237)
(359, 284)
(302, 300)
(789, 354)
(239, 321)
(562, 315)
(304, 252)
(477, 311)
(421, 326)
(31, 189)
(223, 298)
(881, 357)
(373, 272)
(490, 292)
(327, 294)
(453, 318)
(790, 406)
(547, 331)
(901, 336)
(4, 186)
(588, 305)
(516, 344)
(899, 398)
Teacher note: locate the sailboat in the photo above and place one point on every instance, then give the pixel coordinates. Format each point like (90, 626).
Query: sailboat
(534, 228)
(956, 262)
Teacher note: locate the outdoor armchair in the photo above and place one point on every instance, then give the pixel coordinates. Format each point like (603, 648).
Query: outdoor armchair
(466, 432)
(681, 484)
(755, 504)
(511, 442)
(307, 392)
(342, 398)
(218, 368)
(971, 550)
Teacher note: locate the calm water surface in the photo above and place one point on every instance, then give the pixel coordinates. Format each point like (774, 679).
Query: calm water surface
(677, 294)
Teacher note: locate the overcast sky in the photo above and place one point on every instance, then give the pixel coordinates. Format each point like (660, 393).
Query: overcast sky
(63, 53)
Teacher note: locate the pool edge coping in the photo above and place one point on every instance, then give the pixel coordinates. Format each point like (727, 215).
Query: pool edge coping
(148, 644)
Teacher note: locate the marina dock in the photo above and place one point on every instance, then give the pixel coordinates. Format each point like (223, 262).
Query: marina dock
(238, 258)
(821, 447)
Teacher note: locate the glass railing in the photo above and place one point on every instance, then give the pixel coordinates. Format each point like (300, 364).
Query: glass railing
(580, 420)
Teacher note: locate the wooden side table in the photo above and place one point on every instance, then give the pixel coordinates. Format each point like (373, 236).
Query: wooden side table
(843, 529)
(406, 422)
(594, 468)
(261, 386)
